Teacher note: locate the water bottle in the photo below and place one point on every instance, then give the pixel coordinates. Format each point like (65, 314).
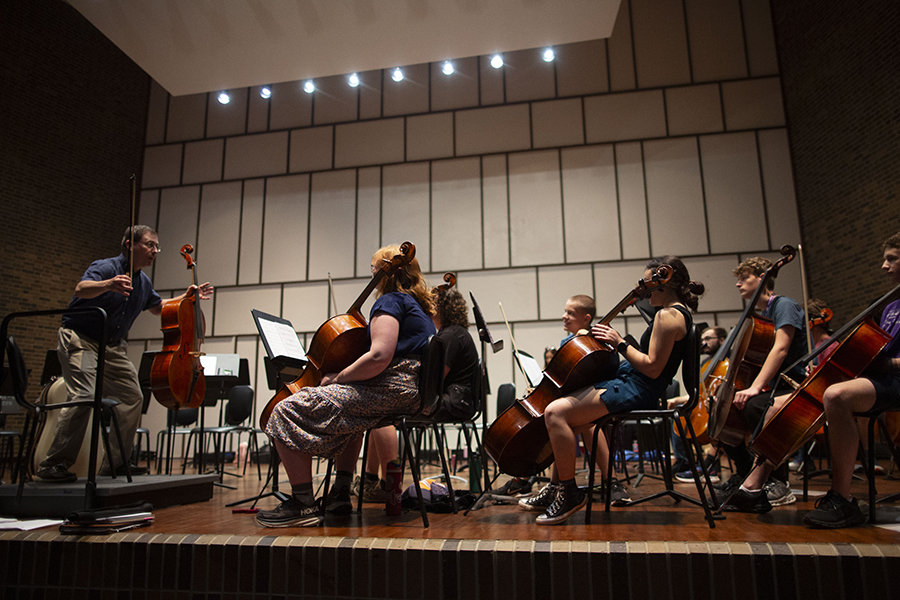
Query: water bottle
(475, 474)
(394, 479)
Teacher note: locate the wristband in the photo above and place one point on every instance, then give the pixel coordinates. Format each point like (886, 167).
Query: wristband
(622, 347)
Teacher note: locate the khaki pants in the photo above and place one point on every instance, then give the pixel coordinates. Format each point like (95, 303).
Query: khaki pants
(78, 357)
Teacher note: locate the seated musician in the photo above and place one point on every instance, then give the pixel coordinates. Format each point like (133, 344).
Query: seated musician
(790, 345)
(878, 387)
(640, 380)
(329, 420)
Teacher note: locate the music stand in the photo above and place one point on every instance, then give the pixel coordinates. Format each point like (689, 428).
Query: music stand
(484, 335)
(221, 372)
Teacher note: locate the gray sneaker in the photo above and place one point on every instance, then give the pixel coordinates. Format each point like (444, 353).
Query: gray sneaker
(291, 513)
(542, 500)
(778, 493)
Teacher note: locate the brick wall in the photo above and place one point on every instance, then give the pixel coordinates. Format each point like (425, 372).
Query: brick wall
(840, 69)
(74, 110)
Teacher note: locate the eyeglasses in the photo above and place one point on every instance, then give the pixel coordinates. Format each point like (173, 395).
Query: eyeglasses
(151, 245)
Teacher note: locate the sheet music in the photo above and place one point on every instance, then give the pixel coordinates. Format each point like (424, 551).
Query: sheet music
(282, 339)
(531, 367)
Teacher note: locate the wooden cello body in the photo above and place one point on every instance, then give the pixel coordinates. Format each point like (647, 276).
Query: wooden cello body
(339, 341)
(708, 387)
(517, 440)
(174, 377)
(804, 413)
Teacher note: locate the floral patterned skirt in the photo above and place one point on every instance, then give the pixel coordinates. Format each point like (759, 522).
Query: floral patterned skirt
(321, 421)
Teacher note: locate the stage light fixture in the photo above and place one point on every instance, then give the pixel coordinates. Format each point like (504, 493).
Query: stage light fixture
(397, 74)
(353, 80)
(224, 98)
(496, 61)
(447, 68)
(265, 91)
(548, 55)
(309, 87)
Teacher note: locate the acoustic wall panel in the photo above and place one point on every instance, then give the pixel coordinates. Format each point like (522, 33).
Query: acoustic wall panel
(528, 76)
(590, 204)
(258, 111)
(308, 305)
(429, 136)
(613, 281)
(251, 232)
(734, 202)
(368, 218)
(778, 184)
(312, 149)
(405, 208)
(496, 129)
(335, 101)
(162, 166)
(761, 53)
(632, 200)
(457, 90)
(187, 118)
(226, 119)
(626, 116)
(557, 123)
(675, 197)
(368, 143)
(556, 285)
(146, 327)
(716, 274)
(492, 89)
(535, 208)
(753, 103)
(694, 109)
(660, 43)
(203, 161)
(332, 219)
(716, 39)
(408, 96)
(285, 228)
(495, 206)
(256, 155)
(218, 239)
(289, 106)
(370, 94)
(621, 52)
(233, 305)
(581, 68)
(456, 214)
(178, 208)
(148, 208)
(515, 288)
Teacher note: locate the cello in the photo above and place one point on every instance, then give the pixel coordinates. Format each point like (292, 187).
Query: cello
(801, 416)
(175, 378)
(755, 336)
(517, 440)
(340, 340)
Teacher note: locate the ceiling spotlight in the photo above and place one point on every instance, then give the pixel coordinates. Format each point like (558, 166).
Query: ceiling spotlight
(496, 61)
(548, 55)
(265, 92)
(353, 80)
(224, 98)
(447, 68)
(397, 74)
(309, 87)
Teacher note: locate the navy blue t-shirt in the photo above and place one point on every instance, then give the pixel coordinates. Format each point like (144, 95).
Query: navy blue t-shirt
(121, 311)
(785, 311)
(415, 326)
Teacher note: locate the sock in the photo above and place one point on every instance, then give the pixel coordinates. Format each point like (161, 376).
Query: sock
(303, 492)
(749, 491)
(371, 476)
(342, 479)
(569, 484)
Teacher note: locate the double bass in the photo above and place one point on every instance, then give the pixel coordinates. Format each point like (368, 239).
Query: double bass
(518, 440)
(175, 378)
(755, 337)
(340, 340)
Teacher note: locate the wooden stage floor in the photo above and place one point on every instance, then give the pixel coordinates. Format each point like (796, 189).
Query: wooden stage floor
(658, 520)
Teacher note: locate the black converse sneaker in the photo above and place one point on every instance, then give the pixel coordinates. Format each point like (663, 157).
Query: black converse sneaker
(542, 500)
(569, 500)
(291, 513)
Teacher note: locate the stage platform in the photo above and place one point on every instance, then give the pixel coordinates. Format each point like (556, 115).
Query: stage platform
(656, 550)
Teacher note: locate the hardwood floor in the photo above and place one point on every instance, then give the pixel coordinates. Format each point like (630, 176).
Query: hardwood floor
(659, 520)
